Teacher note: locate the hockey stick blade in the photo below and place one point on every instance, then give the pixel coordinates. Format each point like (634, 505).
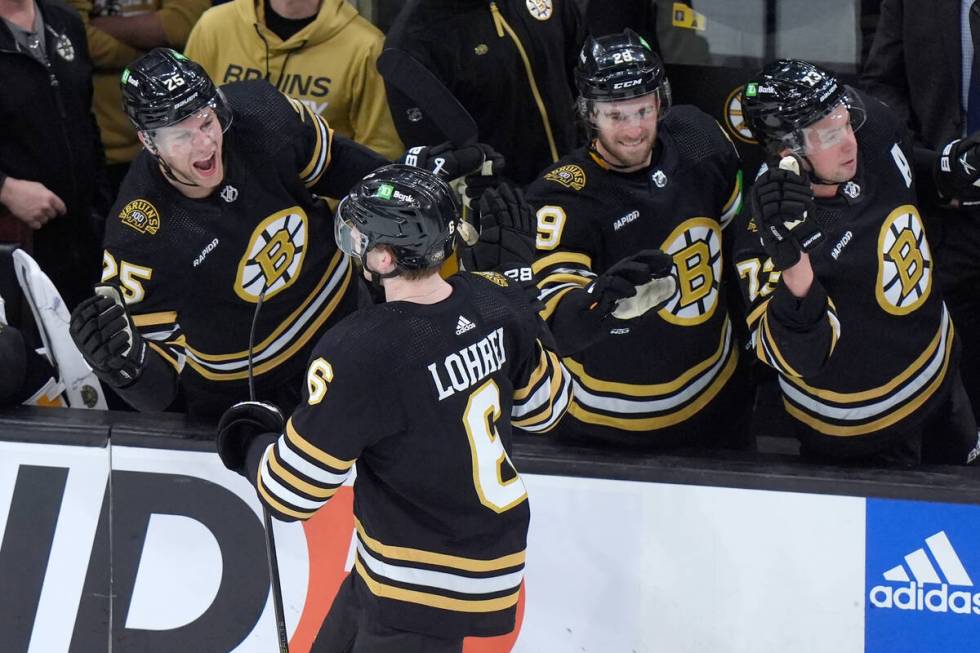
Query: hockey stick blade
(405, 73)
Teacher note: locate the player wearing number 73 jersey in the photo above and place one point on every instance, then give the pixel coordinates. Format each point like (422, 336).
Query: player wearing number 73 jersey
(835, 264)
(420, 393)
(652, 179)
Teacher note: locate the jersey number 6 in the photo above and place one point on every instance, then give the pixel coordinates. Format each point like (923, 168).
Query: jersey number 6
(480, 418)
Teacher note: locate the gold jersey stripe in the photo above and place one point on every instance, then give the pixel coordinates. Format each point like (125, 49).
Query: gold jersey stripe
(536, 375)
(773, 349)
(736, 191)
(663, 421)
(165, 355)
(441, 559)
(552, 303)
(296, 482)
(155, 319)
(653, 389)
(561, 257)
(273, 503)
(290, 319)
(756, 313)
(887, 388)
(272, 363)
(435, 600)
(304, 445)
(316, 122)
(880, 423)
(546, 415)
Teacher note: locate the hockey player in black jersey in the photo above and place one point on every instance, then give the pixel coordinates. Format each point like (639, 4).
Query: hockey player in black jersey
(654, 177)
(420, 393)
(220, 242)
(838, 272)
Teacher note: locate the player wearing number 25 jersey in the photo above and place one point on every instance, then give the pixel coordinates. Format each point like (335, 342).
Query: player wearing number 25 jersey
(220, 213)
(651, 179)
(420, 394)
(835, 264)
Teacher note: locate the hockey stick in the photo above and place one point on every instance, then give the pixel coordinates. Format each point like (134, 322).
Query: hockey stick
(406, 74)
(270, 541)
(416, 82)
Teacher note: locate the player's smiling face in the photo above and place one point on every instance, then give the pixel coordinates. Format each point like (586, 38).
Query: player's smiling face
(192, 149)
(627, 131)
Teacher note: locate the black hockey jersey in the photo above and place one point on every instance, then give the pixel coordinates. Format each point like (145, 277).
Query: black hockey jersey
(192, 270)
(870, 348)
(423, 397)
(655, 372)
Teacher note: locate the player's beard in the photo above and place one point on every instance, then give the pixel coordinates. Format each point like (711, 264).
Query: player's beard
(617, 151)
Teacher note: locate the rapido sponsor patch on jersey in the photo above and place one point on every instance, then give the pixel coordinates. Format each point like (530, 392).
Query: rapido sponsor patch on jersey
(141, 216)
(569, 176)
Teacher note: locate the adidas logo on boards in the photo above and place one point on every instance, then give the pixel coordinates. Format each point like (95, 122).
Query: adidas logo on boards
(463, 325)
(914, 593)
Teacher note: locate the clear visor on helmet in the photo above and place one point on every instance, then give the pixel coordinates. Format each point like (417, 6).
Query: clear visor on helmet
(349, 238)
(206, 123)
(641, 110)
(839, 124)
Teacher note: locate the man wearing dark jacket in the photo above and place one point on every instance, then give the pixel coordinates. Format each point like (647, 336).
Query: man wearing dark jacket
(509, 64)
(51, 160)
(928, 82)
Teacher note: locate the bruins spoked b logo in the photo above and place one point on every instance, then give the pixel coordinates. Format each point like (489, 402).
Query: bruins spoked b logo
(904, 262)
(695, 246)
(274, 256)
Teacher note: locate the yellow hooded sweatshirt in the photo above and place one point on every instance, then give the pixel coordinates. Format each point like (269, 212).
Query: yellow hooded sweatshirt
(111, 55)
(329, 65)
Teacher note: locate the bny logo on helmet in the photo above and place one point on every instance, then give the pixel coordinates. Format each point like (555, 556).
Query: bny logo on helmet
(788, 96)
(619, 67)
(407, 208)
(163, 87)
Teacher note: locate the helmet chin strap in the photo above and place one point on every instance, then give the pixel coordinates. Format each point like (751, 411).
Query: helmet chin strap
(167, 170)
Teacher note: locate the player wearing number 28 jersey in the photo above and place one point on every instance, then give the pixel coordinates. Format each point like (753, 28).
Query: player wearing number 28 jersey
(652, 179)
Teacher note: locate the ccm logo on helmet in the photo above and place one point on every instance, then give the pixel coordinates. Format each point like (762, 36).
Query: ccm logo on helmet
(632, 82)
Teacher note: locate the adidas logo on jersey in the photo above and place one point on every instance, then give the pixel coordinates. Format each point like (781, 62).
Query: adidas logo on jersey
(463, 325)
(913, 593)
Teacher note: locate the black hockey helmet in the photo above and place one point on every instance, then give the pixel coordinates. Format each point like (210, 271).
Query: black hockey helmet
(788, 96)
(163, 87)
(407, 208)
(619, 67)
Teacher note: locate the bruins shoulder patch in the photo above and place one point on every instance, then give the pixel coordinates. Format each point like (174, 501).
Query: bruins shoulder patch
(569, 176)
(494, 277)
(141, 216)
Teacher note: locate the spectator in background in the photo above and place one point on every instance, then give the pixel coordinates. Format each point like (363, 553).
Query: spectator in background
(509, 63)
(602, 18)
(52, 175)
(933, 86)
(320, 52)
(118, 32)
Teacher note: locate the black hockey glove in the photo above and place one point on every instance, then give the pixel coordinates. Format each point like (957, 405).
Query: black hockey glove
(448, 161)
(489, 176)
(508, 228)
(582, 317)
(240, 425)
(958, 171)
(108, 339)
(783, 202)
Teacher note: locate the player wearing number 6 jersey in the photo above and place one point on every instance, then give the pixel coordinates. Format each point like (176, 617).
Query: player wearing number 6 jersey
(839, 275)
(420, 393)
(652, 179)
